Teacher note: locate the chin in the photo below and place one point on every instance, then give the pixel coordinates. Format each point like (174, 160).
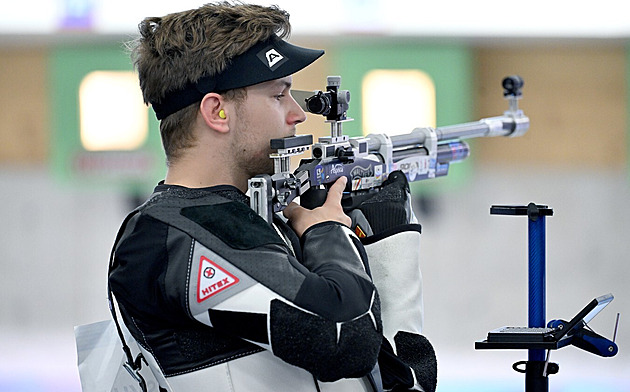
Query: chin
(260, 168)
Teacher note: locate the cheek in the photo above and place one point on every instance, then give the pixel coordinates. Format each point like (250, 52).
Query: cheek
(263, 123)
(255, 143)
(273, 117)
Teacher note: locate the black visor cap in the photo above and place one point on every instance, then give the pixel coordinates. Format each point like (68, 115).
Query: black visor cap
(267, 60)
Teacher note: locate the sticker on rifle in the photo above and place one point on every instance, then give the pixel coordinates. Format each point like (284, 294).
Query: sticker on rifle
(320, 175)
(413, 167)
(378, 172)
(212, 279)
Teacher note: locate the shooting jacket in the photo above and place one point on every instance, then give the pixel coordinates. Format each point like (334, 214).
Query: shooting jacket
(219, 300)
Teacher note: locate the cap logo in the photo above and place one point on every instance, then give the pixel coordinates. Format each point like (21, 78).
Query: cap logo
(272, 58)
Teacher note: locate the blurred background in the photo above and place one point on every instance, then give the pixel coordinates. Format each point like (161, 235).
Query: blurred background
(79, 150)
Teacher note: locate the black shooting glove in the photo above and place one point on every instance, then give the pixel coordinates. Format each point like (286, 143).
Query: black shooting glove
(384, 210)
(392, 242)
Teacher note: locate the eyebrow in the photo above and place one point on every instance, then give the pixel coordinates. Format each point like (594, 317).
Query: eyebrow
(282, 82)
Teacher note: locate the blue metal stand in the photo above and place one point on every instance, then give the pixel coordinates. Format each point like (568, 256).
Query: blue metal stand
(536, 379)
(537, 370)
(537, 271)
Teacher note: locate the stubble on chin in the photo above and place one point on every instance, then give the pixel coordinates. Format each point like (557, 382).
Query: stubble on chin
(253, 163)
(260, 163)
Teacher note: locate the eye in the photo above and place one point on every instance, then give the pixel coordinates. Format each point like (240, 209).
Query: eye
(279, 96)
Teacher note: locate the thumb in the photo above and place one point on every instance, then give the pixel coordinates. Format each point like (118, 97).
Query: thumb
(292, 211)
(335, 193)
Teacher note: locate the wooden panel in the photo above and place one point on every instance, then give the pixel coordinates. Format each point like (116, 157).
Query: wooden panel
(574, 95)
(23, 107)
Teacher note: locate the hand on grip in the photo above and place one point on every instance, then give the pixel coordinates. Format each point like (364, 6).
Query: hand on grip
(301, 218)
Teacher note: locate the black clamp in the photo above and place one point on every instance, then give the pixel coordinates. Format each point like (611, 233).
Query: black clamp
(537, 368)
(532, 210)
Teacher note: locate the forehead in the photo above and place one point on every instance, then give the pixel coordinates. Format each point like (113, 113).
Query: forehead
(281, 83)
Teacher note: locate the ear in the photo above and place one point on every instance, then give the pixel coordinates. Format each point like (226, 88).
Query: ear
(211, 105)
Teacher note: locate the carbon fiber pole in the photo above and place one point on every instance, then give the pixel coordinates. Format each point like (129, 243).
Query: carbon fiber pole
(537, 269)
(536, 379)
(537, 370)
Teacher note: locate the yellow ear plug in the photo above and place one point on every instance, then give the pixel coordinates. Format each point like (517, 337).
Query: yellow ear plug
(222, 114)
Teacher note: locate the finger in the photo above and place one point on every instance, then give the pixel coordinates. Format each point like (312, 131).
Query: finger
(292, 210)
(335, 193)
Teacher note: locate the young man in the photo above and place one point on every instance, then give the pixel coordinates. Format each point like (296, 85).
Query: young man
(216, 298)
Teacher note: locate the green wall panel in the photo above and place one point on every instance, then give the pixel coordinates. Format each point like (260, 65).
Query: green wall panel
(67, 68)
(628, 106)
(449, 66)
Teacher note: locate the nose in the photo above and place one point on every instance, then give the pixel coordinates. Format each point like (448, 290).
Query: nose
(296, 115)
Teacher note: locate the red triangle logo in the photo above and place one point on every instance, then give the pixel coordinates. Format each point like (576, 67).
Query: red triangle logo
(212, 279)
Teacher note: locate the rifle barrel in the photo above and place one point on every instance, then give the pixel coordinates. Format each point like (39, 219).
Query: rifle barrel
(511, 124)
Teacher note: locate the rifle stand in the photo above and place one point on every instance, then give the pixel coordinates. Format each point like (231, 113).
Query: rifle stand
(559, 333)
(537, 367)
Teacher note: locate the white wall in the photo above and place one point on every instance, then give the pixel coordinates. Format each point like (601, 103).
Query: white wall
(561, 18)
(54, 249)
(475, 268)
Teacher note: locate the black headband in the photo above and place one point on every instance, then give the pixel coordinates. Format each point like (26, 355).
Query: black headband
(267, 60)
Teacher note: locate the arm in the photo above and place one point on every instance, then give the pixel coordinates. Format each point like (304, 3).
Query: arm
(321, 316)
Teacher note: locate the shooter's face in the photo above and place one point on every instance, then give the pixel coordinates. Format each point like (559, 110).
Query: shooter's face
(268, 112)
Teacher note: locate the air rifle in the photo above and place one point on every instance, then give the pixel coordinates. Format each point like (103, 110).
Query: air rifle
(367, 161)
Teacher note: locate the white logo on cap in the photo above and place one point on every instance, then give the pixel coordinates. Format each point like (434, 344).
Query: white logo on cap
(273, 57)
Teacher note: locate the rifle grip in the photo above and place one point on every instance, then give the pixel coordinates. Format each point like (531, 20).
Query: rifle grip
(313, 198)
